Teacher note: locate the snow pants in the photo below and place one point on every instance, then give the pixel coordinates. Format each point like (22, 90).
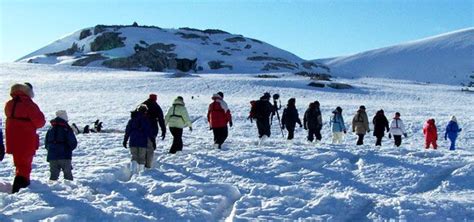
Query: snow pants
(263, 126)
(360, 140)
(220, 135)
(337, 137)
(314, 132)
(378, 142)
(56, 166)
(23, 165)
(139, 154)
(398, 140)
(291, 132)
(453, 143)
(177, 134)
(431, 142)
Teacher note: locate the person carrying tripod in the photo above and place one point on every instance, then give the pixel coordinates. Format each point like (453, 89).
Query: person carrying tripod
(261, 112)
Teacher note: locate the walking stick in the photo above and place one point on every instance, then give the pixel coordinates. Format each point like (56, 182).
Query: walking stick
(276, 98)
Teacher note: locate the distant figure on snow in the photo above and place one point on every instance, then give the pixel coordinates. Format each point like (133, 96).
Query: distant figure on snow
(431, 134)
(23, 119)
(360, 124)
(139, 132)
(380, 122)
(60, 141)
(452, 131)
(397, 129)
(290, 118)
(338, 126)
(261, 112)
(177, 118)
(218, 115)
(313, 121)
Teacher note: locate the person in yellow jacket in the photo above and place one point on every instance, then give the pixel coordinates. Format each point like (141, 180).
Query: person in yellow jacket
(176, 119)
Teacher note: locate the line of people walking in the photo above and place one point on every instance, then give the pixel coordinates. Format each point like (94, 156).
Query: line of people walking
(24, 118)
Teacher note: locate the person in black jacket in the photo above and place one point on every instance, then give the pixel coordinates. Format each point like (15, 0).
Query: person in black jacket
(380, 125)
(60, 141)
(290, 118)
(154, 115)
(261, 112)
(313, 122)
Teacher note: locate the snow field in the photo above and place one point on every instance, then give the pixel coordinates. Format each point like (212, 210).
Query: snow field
(277, 181)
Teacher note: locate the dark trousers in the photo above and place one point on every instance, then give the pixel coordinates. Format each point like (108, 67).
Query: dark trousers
(263, 126)
(360, 140)
(220, 135)
(56, 166)
(398, 140)
(291, 132)
(177, 134)
(314, 132)
(379, 141)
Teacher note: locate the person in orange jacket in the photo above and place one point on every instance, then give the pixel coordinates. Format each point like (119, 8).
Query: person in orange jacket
(23, 119)
(431, 134)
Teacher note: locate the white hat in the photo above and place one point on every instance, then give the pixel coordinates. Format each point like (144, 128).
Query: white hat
(62, 114)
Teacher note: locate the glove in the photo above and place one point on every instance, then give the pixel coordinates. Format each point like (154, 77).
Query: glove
(282, 127)
(445, 138)
(301, 125)
(390, 136)
(153, 142)
(305, 128)
(2, 152)
(163, 135)
(345, 131)
(460, 129)
(368, 130)
(231, 123)
(191, 128)
(124, 144)
(405, 135)
(210, 128)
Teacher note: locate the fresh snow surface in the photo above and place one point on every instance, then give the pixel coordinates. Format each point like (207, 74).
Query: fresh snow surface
(446, 58)
(277, 181)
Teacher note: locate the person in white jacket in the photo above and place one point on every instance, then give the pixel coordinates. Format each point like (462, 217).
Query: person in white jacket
(397, 129)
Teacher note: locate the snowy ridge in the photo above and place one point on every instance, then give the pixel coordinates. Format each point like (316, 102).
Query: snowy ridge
(445, 58)
(216, 51)
(276, 181)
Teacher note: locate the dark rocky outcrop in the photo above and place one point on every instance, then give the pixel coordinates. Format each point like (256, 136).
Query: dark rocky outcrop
(218, 64)
(88, 59)
(224, 53)
(255, 40)
(335, 85)
(67, 52)
(316, 84)
(84, 34)
(207, 31)
(107, 41)
(192, 36)
(186, 65)
(310, 65)
(248, 46)
(315, 76)
(277, 66)
(235, 39)
(267, 58)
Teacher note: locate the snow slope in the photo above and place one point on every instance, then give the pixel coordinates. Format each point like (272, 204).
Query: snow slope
(446, 58)
(278, 181)
(236, 53)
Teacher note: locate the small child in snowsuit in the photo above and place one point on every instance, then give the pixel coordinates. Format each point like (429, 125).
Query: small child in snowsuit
(60, 141)
(431, 134)
(452, 131)
(139, 132)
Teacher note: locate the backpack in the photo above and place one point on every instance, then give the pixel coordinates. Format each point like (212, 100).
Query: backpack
(252, 113)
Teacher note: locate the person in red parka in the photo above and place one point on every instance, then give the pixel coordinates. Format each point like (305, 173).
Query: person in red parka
(218, 115)
(23, 119)
(431, 134)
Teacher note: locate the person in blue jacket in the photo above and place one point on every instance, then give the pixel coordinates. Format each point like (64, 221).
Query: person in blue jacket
(452, 131)
(60, 141)
(140, 134)
(338, 126)
(2, 146)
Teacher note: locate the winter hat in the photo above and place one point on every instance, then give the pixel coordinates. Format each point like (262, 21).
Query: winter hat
(221, 94)
(152, 97)
(31, 93)
(339, 109)
(216, 96)
(453, 118)
(142, 108)
(19, 87)
(62, 114)
(316, 103)
(266, 95)
(292, 101)
(397, 114)
(362, 107)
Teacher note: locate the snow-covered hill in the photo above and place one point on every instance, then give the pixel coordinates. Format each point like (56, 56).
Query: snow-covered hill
(446, 58)
(152, 48)
(278, 181)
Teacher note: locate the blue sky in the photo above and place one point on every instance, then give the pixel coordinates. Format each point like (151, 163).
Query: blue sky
(309, 29)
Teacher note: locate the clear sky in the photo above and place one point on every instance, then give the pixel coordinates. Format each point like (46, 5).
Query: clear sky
(309, 28)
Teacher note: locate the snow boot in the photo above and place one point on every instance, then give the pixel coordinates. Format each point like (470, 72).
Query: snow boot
(18, 183)
(262, 140)
(141, 168)
(133, 167)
